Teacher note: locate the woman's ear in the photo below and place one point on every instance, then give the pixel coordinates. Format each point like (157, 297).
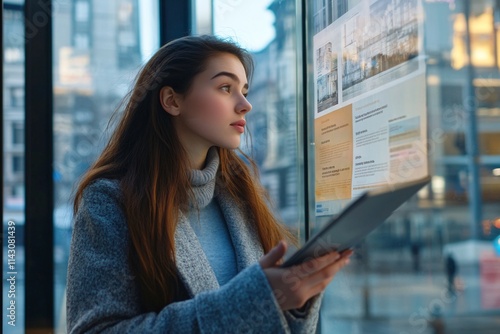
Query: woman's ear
(169, 100)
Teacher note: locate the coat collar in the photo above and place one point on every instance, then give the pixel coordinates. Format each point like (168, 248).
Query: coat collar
(193, 266)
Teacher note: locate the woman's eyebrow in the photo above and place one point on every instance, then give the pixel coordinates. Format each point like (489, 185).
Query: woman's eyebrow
(230, 75)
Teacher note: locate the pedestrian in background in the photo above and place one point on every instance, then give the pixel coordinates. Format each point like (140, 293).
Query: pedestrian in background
(451, 272)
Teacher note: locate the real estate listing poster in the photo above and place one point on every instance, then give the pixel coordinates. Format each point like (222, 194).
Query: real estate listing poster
(370, 101)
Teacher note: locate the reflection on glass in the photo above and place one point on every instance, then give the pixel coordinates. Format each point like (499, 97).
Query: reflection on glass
(483, 36)
(98, 48)
(13, 166)
(429, 268)
(273, 94)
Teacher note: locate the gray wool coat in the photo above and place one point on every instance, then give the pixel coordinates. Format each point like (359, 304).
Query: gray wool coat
(103, 294)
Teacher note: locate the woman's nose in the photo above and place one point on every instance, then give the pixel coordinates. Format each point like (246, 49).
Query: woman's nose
(244, 106)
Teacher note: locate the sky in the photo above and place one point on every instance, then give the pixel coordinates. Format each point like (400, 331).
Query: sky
(149, 35)
(248, 22)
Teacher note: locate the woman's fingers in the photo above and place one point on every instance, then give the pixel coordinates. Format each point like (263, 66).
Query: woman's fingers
(326, 274)
(295, 285)
(313, 266)
(319, 274)
(273, 256)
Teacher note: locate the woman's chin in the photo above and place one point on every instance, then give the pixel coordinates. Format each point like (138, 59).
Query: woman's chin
(230, 146)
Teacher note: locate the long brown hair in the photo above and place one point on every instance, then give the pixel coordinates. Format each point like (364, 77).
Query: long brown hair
(145, 154)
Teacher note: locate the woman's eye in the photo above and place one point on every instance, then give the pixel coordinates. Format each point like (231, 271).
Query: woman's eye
(226, 88)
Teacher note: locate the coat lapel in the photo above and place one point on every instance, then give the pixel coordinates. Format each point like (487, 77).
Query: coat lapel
(192, 263)
(244, 236)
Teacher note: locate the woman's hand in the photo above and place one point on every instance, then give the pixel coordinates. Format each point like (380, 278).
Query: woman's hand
(295, 285)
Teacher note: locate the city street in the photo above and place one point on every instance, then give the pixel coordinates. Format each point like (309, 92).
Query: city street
(405, 304)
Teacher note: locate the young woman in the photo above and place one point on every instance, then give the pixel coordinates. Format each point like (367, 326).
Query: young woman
(171, 226)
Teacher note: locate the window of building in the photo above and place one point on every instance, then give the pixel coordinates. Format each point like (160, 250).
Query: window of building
(82, 11)
(81, 41)
(16, 96)
(127, 38)
(17, 191)
(17, 133)
(17, 164)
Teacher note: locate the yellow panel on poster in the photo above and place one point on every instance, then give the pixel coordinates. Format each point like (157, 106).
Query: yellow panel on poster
(333, 138)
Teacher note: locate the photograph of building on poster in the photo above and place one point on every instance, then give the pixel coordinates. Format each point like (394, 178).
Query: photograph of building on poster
(384, 39)
(327, 77)
(326, 12)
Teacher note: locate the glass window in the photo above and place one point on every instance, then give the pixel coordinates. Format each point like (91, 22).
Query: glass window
(273, 121)
(429, 267)
(98, 49)
(202, 17)
(13, 161)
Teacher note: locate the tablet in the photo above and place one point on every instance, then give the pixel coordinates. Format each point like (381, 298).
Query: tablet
(356, 221)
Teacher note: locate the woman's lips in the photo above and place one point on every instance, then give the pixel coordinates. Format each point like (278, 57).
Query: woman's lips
(239, 126)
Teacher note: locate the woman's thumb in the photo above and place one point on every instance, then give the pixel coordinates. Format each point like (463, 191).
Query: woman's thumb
(273, 256)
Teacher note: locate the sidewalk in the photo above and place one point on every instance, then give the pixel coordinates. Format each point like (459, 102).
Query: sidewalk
(405, 303)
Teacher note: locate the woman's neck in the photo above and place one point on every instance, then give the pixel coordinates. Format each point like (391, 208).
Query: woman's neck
(197, 159)
(197, 156)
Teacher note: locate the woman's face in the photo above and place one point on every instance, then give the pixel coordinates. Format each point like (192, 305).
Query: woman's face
(213, 111)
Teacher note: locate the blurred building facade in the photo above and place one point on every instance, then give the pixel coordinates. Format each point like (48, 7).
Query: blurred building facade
(13, 110)
(96, 56)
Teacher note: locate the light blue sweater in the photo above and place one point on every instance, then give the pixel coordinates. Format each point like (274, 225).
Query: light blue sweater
(207, 221)
(209, 226)
(103, 293)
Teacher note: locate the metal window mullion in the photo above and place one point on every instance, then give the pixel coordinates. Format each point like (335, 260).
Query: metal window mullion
(306, 132)
(39, 277)
(1, 119)
(175, 19)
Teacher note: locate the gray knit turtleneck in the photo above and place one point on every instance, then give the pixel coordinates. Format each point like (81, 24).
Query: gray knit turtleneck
(203, 181)
(208, 223)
